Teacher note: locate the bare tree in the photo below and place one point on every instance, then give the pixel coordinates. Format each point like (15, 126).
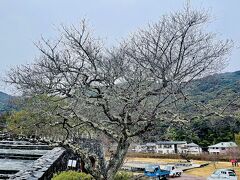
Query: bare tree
(123, 90)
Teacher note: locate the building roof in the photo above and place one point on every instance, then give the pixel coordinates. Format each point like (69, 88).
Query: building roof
(171, 142)
(192, 145)
(150, 144)
(224, 144)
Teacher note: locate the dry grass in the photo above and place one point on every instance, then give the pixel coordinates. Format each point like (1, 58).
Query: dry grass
(203, 172)
(158, 160)
(207, 170)
(150, 160)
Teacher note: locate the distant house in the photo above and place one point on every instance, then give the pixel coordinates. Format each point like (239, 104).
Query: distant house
(140, 148)
(194, 148)
(222, 147)
(171, 147)
(151, 147)
(148, 147)
(132, 147)
(167, 147)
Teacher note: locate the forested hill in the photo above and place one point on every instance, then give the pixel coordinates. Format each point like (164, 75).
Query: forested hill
(5, 102)
(218, 83)
(219, 93)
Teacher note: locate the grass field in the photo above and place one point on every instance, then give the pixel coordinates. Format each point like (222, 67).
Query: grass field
(203, 171)
(207, 170)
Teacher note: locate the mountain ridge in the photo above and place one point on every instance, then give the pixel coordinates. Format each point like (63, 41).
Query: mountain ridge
(5, 102)
(209, 89)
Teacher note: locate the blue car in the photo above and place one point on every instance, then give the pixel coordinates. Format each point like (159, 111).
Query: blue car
(155, 171)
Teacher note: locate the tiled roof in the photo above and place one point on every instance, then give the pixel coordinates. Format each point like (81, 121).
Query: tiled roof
(151, 144)
(171, 142)
(192, 145)
(224, 144)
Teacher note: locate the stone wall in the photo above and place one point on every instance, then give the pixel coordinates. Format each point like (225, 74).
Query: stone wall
(44, 167)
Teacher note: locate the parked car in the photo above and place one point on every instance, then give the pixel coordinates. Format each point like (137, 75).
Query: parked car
(223, 174)
(173, 170)
(154, 171)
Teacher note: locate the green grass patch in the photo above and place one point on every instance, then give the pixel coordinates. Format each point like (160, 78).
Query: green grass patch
(72, 175)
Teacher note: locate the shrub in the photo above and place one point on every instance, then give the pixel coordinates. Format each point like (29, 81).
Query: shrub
(72, 175)
(202, 157)
(121, 175)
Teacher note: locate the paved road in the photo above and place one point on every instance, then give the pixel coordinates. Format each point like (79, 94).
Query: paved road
(187, 177)
(183, 177)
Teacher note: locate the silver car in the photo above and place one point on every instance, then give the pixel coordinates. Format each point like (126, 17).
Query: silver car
(223, 174)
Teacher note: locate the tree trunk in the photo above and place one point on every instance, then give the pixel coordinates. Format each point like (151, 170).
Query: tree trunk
(117, 160)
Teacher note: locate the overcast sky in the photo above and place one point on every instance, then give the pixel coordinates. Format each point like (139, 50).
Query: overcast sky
(24, 21)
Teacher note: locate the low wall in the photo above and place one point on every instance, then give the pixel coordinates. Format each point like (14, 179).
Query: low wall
(26, 147)
(44, 167)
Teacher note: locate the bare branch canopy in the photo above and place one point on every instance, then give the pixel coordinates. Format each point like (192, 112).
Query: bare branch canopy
(121, 91)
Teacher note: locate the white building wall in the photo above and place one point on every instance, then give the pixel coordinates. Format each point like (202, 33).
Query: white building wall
(221, 150)
(182, 148)
(194, 150)
(214, 150)
(169, 149)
